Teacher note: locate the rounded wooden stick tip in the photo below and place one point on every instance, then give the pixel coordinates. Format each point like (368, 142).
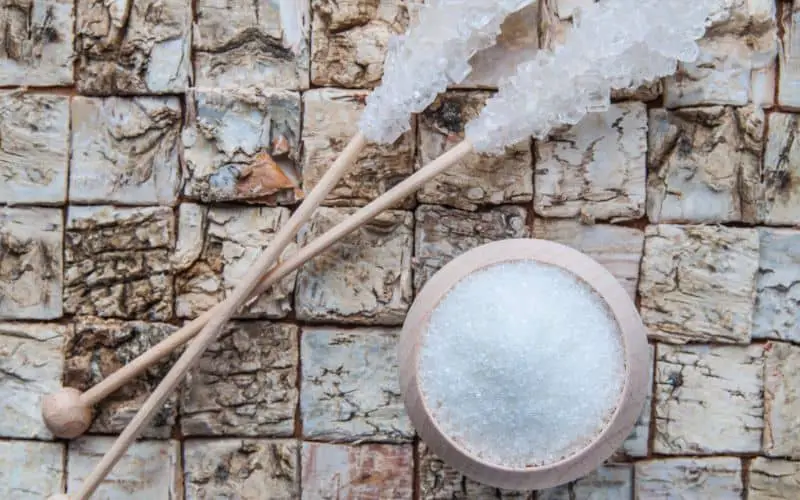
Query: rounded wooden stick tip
(59, 497)
(66, 415)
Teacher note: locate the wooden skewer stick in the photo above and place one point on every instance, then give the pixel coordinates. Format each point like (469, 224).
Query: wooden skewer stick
(68, 413)
(245, 289)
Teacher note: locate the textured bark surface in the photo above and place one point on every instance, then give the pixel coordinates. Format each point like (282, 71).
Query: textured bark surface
(133, 46)
(773, 479)
(245, 384)
(442, 234)
(116, 262)
(31, 242)
(217, 248)
(333, 472)
(240, 43)
(31, 362)
(478, 179)
(704, 164)
(240, 145)
(330, 119)
(617, 248)
(439, 481)
(125, 150)
(350, 387)
(149, 469)
(709, 399)
(596, 169)
(609, 482)
(789, 60)
(777, 311)
(31, 470)
(36, 42)
(779, 202)
(698, 283)
(349, 40)
(363, 279)
(244, 469)
(34, 148)
(94, 349)
(744, 33)
(716, 477)
(782, 400)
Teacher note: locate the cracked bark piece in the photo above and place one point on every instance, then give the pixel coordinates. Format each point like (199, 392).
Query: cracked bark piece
(736, 64)
(777, 310)
(31, 363)
(779, 202)
(439, 481)
(216, 248)
(773, 479)
(245, 469)
(240, 43)
(125, 150)
(789, 58)
(34, 147)
(241, 145)
(704, 164)
(330, 119)
(782, 400)
(715, 477)
(617, 248)
(478, 179)
(609, 482)
(36, 42)
(149, 469)
(365, 278)
(349, 388)
(723, 73)
(245, 383)
(698, 283)
(349, 40)
(133, 47)
(95, 348)
(442, 234)
(708, 399)
(518, 41)
(596, 169)
(31, 263)
(332, 471)
(117, 262)
(31, 470)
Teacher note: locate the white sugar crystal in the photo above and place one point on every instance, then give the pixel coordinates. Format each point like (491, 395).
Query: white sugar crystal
(433, 53)
(522, 364)
(615, 44)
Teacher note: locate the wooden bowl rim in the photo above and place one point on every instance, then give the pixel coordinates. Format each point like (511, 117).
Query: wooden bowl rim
(635, 354)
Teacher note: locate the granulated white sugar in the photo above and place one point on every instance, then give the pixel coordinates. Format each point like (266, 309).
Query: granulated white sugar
(522, 364)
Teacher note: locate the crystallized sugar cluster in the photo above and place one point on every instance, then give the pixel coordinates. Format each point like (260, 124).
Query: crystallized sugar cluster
(615, 44)
(434, 53)
(522, 364)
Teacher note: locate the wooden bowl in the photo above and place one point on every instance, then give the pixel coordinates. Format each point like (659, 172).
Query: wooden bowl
(634, 387)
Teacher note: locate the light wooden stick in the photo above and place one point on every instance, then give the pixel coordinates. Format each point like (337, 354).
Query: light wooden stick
(245, 289)
(68, 413)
